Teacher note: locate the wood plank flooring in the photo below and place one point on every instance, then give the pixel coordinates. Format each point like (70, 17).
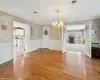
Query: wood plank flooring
(51, 65)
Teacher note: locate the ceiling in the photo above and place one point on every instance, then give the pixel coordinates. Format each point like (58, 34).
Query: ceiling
(81, 10)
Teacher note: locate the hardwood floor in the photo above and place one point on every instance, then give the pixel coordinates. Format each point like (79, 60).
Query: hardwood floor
(51, 65)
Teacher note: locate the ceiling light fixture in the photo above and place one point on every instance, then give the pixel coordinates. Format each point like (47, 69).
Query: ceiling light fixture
(57, 24)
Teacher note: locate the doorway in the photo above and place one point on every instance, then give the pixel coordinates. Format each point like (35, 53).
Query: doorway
(74, 38)
(21, 38)
(70, 41)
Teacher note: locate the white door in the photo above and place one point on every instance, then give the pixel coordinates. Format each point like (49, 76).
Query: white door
(88, 39)
(46, 37)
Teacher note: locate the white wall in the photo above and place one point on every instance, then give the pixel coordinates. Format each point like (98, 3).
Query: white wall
(6, 52)
(95, 25)
(6, 36)
(75, 27)
(35, 44)
(55, 45)
(50, 43)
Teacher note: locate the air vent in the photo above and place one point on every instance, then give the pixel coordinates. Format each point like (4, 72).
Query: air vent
(35, 12)
(74, 1)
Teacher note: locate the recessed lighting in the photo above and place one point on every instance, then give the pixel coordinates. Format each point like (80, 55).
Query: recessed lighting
(35, 12)
(74, 1)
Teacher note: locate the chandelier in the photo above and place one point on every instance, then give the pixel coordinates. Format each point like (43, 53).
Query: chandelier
(57, 24)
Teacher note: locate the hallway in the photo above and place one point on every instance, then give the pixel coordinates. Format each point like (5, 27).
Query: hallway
(44, 64)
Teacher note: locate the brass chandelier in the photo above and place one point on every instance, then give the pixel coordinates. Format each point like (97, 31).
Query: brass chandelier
(57, 24)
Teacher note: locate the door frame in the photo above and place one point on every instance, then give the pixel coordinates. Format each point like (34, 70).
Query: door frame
(26, 27)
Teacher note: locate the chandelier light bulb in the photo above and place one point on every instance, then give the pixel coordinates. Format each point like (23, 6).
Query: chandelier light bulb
(57, 24)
